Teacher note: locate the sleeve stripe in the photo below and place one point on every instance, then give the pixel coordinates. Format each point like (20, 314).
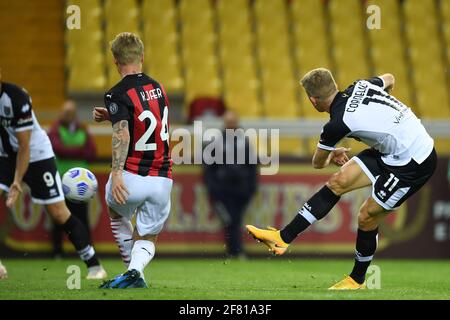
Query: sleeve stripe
(324, 147)
(20, 129)
(382, 80)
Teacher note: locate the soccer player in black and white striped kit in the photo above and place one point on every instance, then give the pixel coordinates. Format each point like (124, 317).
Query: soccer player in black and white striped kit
(400, 160)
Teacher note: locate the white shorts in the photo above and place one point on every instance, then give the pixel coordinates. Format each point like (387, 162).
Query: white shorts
(149, 199)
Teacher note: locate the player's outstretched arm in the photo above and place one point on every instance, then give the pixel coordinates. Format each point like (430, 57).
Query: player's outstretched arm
(22, 162)
(322, 158)
(389, 81)
(120, 143)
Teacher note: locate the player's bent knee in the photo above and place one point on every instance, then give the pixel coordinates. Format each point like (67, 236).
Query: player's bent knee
(149, 237)
(370, 216)
(338, 183)
(365, 222)
(58, 211)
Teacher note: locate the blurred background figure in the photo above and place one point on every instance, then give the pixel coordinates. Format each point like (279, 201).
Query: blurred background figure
(232, 186)
(73, 147)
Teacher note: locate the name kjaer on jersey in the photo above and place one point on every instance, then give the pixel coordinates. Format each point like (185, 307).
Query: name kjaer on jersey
(153, 94)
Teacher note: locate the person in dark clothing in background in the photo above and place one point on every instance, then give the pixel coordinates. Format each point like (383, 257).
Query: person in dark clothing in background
(232, 186)
(73, 147)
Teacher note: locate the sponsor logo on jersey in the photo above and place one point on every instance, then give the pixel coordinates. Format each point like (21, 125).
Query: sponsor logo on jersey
(24, 121)
(5, 122)
(25, 108)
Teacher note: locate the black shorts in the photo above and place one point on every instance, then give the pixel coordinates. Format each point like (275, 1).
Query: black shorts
(392, 185)
(42, 178)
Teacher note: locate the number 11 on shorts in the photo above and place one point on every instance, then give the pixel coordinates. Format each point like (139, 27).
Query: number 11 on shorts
(395, 180)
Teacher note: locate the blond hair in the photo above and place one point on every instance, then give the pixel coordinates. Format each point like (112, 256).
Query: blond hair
(319, 83)
(127, 48)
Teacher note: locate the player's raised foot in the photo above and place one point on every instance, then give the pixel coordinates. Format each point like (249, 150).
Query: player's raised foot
(130, 279)
(270, 237)
(96, 273)
(3, 272)
(347, 284)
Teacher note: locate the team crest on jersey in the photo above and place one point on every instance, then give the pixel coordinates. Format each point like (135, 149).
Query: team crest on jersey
(113, 108)
(7, 110)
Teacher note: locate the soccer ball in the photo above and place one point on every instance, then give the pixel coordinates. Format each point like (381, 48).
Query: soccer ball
(79, 185)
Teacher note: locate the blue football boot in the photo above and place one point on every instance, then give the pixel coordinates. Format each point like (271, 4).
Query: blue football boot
(130, 279)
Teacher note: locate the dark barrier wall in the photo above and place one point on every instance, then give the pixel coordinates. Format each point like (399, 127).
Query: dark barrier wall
(419, 229)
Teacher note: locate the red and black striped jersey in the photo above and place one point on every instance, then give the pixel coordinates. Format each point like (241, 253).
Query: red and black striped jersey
(142, 102)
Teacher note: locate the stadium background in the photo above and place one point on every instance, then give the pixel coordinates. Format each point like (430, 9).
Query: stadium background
(251, 54)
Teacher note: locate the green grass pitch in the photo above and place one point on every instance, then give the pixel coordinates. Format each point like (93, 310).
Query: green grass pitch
(269, 279)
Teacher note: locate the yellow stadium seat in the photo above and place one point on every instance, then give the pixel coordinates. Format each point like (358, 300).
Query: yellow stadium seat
(387, 50)
(279, 98)
(160, 38)
(349, 41)
(292, 146)
(442, 146)
(240, 83)
(120, 16)
(86, 73)
(311, 47)
(198, 52)
(84, 54)
(445, 12)
(424, 46)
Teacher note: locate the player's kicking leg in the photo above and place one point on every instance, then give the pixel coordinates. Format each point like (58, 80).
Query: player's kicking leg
(348, 178)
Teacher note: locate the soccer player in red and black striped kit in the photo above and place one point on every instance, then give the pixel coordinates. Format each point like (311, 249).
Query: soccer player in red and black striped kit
(141, 177)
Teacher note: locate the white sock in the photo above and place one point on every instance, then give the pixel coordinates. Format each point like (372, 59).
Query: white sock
(122, 230)
(142, 253)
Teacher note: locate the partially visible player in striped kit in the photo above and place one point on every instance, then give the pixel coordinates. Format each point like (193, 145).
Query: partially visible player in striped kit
(26, 155)
(141, 177)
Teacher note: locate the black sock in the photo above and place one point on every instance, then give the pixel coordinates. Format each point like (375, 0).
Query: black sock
(317, 207)
(366, 244)
(291, 231)
(79, 237)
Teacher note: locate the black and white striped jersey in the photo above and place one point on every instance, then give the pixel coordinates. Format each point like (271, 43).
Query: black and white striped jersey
(16, 115)
(367, 113)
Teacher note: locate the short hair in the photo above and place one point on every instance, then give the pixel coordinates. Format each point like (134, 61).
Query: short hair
(319, 83)
(127, 48)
